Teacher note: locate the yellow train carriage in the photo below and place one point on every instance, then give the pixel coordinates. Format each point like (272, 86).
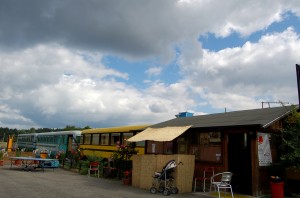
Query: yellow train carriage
(102, 142)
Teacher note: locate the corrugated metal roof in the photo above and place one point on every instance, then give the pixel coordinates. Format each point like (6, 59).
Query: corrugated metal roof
(261, 117)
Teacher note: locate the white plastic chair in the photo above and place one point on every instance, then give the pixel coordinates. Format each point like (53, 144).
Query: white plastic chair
(94, 167)
(223, 183)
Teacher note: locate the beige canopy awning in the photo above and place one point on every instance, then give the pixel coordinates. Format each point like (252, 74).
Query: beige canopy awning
(159, 134)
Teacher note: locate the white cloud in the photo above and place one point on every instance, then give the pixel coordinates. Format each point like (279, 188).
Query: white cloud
(239, 78)
(12, 118)
(130, 29)
(52, 74)
(52, 86)
(154, 71)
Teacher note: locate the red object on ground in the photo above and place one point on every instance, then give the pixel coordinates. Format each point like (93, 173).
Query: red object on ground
(277, 189)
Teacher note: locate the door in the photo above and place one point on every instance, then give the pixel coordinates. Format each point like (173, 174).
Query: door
(239, 162)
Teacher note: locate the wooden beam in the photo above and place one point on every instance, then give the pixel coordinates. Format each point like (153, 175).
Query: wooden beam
(255, 166)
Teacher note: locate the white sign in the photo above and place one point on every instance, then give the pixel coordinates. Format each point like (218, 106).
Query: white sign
(264, 149)
(153, 148)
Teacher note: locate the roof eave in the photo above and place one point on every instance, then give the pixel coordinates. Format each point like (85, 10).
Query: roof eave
(278, 118)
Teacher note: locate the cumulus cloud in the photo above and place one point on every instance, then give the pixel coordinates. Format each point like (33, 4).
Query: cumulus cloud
(12, 118)
(54, 87)
(52, 72)
(242, 77)
(130, 28)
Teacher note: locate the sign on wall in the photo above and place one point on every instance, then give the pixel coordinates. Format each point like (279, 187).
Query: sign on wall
(264, 149)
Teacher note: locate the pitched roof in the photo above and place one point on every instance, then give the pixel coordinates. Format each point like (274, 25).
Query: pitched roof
(259, 117)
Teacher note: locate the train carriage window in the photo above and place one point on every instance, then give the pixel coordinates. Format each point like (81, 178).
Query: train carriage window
(95, 139)
(87, 139)
(125, 137)
(64, 139)
(56, 139)
(115, 137)
(105, 139)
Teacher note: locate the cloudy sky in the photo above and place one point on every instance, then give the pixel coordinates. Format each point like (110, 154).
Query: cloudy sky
(106, 63)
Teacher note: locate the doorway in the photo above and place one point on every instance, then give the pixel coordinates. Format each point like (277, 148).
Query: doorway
(239, 162)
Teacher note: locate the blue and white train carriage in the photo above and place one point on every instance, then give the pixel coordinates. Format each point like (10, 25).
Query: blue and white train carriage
(51, 141)
(27, 141)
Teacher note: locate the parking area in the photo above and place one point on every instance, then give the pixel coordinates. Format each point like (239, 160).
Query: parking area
(15, 182)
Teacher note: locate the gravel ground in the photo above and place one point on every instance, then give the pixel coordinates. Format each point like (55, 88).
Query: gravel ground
(59, 183)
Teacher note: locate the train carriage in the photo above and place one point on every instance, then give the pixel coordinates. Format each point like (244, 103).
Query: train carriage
(51, 141)
(27, 141)
(58, 141)
(102, 142)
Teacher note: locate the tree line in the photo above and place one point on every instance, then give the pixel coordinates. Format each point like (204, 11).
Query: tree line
(5, 132)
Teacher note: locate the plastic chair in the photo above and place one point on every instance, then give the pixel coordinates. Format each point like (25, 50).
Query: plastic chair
(207, 174)
(94, 167)
(223, 183)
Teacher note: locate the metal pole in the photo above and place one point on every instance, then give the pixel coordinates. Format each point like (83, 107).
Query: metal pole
(298, 80)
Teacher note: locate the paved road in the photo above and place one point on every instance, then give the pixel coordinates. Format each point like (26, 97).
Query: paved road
(62, 183)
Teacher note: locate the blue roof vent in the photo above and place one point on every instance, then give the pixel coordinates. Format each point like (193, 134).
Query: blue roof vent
(184, 114)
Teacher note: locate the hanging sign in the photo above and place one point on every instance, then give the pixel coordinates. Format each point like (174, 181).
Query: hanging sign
(264, 149)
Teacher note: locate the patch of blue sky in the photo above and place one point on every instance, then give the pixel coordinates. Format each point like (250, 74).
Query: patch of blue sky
(208, 109)
(170, 73)
(213, 43)
(136, 71)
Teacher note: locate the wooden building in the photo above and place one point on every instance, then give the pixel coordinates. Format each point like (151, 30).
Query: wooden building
(242, 142)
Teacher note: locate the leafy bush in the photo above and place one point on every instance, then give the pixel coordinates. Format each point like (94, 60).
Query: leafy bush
(291, 141)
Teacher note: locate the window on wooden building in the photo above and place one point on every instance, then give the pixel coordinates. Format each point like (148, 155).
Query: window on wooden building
(207, 147)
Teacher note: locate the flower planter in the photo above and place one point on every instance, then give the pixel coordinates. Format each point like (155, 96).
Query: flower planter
(18, 162)
(277, 190)
(43, 155)
(126, 181)
(109, 172)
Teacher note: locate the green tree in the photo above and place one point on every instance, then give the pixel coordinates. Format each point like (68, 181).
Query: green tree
(291, 141)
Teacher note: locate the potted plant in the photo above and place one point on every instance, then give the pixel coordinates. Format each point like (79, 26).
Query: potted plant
(43, 153)
(1, 157)
(127, 177)
(109, 170)
(18, 154)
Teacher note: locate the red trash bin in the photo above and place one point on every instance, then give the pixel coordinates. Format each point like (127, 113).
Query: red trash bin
(277, 189)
